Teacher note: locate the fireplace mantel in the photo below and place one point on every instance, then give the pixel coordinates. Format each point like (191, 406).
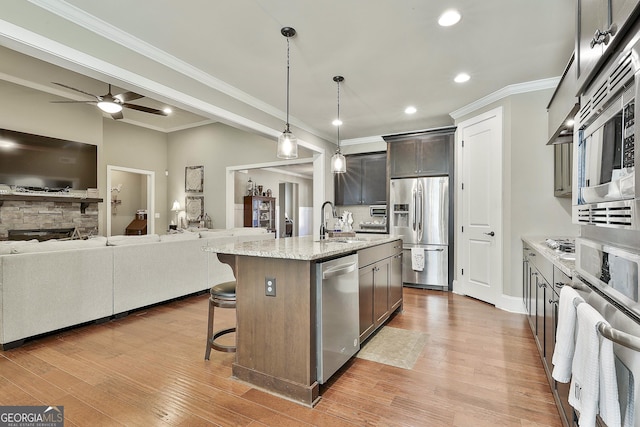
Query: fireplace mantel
(84, 201)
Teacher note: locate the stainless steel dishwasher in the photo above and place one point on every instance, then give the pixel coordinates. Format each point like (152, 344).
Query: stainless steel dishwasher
(338, 318)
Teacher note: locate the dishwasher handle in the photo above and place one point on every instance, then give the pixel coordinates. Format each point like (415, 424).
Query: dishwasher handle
(339, 270)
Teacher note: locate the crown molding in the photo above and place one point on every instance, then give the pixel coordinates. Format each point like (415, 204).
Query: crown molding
(363, 140)
(510, 90)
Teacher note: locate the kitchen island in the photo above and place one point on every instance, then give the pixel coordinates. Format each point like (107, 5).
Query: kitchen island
(276, 347)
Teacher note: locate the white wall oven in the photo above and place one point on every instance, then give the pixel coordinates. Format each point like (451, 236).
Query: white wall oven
(607, 278)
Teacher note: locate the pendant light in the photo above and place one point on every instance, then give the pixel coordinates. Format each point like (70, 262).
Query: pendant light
(338, 161)
(287, 142)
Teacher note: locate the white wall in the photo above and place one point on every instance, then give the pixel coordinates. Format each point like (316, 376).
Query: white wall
(529, 206)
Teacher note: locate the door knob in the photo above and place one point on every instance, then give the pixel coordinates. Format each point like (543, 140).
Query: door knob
(491, 233)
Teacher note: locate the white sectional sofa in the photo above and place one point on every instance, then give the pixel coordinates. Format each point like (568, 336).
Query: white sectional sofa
(46, 286)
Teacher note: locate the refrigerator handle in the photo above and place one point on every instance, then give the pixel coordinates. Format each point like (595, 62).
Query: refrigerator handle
(415, 207)
(420, 209)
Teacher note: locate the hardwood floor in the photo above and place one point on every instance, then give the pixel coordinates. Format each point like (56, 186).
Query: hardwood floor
(480, 367)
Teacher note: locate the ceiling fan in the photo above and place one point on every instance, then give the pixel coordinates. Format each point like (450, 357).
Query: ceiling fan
(112, 104)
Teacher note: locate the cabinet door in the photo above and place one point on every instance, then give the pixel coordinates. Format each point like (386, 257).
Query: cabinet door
(374, 179)
(366, 301)
(348, 185)
(381, 280)
(593, 15)
(395, 282)
(403, 157)
(550, 315)
(540, 305)
(433, 155)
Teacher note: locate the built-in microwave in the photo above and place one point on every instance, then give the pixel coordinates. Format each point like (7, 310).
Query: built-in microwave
(604, 146)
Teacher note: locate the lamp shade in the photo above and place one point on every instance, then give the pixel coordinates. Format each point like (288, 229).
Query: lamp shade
(176, 206)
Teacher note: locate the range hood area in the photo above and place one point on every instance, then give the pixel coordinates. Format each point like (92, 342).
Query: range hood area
(563, 106)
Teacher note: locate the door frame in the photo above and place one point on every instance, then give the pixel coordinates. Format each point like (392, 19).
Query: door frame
(150, 196)
(460, 283)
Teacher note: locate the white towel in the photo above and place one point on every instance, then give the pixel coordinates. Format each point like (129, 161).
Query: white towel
(585, 391)
(609, 405)
(565, 335)
(417, 259)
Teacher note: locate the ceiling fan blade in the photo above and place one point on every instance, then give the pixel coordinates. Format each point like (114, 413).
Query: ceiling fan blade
(117, 116)
(73, 102)
(145, 109)
(77, 90)
(128, 96)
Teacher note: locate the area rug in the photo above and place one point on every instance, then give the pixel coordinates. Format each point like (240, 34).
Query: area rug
(395, 347)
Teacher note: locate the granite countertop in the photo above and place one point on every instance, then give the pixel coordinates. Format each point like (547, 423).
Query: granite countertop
(301, 248)
(560, 259)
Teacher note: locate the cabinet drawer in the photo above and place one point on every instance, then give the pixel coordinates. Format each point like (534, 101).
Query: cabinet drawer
(543, 265)
(373, 254)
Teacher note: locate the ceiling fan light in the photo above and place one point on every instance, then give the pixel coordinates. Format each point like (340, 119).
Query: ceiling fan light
(287, 146)
(338, 163)
(109, 107)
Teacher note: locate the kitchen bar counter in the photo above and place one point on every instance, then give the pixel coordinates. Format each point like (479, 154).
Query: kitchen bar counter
(276, 334)
(302, 248)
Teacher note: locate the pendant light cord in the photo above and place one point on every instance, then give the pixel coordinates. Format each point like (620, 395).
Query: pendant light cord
(287, 130)
(339, 116)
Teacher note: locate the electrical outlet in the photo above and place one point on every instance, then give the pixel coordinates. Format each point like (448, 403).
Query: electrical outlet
(270, 286)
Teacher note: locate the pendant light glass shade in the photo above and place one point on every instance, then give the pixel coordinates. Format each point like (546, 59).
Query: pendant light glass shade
(287, 142)
(338, 161)
(287, 145)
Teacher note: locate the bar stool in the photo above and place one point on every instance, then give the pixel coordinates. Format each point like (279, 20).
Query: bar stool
(222, 296)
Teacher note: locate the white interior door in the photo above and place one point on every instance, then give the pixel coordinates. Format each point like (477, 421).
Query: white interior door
(480, 253)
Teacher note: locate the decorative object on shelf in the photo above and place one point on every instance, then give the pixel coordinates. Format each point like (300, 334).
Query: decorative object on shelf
(194, 179)
(194, 207)
(260, 187)
(175, 208)
(338, 161)
(114, 199)
(269, 193)
(250, 188)
(287, 142)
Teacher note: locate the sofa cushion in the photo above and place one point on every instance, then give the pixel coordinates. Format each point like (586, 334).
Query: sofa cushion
(132, 240)
(60, 245)
(179, 236)
(216, 233)
(13, 246)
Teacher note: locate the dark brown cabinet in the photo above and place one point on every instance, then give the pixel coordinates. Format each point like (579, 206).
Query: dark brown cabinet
(421, 155)
(364, 183)
(380, 285)
(260, 212)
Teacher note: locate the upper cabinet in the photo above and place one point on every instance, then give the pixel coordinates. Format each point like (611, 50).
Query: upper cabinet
(599, 26)
(364, 183)
(424, 154)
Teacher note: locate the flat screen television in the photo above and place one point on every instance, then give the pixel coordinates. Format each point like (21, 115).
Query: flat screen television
(40, 162)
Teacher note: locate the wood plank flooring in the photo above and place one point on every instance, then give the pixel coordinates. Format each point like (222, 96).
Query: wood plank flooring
(480, 367)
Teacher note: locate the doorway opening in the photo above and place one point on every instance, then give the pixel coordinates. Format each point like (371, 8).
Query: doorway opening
(130, 192)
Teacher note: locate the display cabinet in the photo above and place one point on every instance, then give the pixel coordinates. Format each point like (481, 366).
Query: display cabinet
(260, 212)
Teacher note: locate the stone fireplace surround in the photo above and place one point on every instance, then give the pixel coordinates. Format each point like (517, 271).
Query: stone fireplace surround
(47, 214)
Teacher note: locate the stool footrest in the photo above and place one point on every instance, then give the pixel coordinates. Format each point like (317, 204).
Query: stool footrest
(221, 347)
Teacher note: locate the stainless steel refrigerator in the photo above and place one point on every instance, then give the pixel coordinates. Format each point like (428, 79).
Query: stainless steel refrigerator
(420, 215)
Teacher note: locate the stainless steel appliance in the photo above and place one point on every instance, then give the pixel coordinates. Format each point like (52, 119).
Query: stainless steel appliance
(607, 278)
(605, 146)
(338, 334)
(376, 225)
(420, 215)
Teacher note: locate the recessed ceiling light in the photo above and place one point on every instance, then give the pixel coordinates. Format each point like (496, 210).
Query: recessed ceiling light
(570, 122)
(449, 18)
(337, 122)
(5, 143)
(168, 110)
(410, 110)
(461, 78)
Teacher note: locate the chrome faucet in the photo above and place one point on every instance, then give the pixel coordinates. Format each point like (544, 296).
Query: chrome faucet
(323, 225)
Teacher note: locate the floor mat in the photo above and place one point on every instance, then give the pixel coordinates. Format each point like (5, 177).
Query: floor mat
(395, 347)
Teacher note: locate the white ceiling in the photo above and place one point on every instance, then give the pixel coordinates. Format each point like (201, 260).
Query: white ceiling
(391, 53)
